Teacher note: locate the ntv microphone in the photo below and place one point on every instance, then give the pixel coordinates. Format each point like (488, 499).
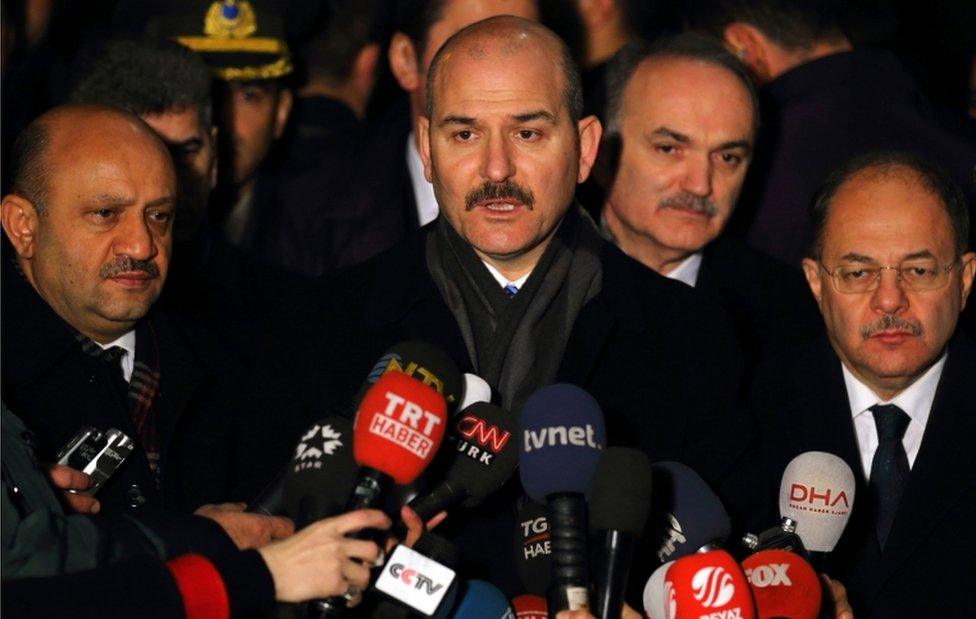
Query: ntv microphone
(563, 433)
(398, 428)
(687, 515)
(424, 362)
(619, 502)
(707, 585)
(783, 585)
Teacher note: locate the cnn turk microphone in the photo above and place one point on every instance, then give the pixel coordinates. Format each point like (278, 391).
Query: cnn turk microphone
(708, 584)
(687, 515)
(619, 501)
(562, 433)
(656, 603)
(817, 493)
(783, 585)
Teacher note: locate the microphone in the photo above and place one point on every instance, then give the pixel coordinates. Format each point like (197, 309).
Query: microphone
(783, 585)
(654, 594)
(421, 579)
(619, 501)
(688, 516)
(534, 549)
(708, 584)
(817, 494)
(481, 600)
(475, 390)
(563, 433)
(530, 606)
(424, 362)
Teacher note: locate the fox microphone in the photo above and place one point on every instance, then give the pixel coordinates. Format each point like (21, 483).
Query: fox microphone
(619, 501)
(707, 584)
(656, 602)
(562, 433)
(687, 515)
(817, 493)
(783, 585)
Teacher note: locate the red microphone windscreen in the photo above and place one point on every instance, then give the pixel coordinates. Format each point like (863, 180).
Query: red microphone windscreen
(783, 585)
(530, 606)
(399, 426)
(708, 585)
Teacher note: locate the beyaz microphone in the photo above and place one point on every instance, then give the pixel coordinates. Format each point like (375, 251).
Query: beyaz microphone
(817, 493)
(424, 362)
(398, 428)
(710, 585)
(475, 390)
(530, 606)
(619, 501)
(533, 546)
(657, 600)
(783, 585)
(478, 599)
(563, 433)
(686, 515)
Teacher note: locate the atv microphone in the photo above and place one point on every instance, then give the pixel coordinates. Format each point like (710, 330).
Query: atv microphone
(817, 493)
(656, 600)
(619, 501)
(475, 390)
(687, 515)
(783, 585)
(562, 432)
(708, 584)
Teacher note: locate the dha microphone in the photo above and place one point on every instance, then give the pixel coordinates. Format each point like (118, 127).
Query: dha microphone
(783, 585)
(424, 362)
(475, 390)
(563, 433)
(687, 515)
(530, 606)
(619, 501)
(817, 493)
(708, 584)
(478, 599)
(656, 605)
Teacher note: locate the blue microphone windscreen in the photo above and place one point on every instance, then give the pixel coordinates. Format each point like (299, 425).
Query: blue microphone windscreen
(478, 599)
(686, 514)
(562, 434)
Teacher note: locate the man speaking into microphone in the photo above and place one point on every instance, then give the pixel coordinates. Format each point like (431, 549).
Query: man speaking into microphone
(515, 283)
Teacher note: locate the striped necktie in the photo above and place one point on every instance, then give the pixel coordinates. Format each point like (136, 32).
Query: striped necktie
(510, 290)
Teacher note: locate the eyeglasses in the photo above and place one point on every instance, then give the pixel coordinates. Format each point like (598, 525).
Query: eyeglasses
(918, 275)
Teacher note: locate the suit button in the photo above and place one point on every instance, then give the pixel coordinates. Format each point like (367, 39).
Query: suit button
(135, 496)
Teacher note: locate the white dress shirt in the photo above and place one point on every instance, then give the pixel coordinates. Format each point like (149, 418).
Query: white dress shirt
(423, 191)
(687, 270)
(505, 282)
(127, 343)
(916, 401)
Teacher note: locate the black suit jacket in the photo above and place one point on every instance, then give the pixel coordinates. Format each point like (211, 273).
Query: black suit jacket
(924, 570)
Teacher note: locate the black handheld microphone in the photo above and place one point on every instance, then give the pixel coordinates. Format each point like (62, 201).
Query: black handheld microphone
(686, 514)
(533, 546)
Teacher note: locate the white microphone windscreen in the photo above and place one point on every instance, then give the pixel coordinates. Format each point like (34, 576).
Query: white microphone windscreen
(817, 492)
(475, 390)
(656, 602)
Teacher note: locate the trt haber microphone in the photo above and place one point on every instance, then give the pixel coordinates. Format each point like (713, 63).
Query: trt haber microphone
(475, 390)
(424, 362)
(708, 585)
(783, 585)
(657, 600)
(817, 492)
(533, 546)
(530, 606)
(686, 515)
(478, 599)
(619, 502)
(562, 432)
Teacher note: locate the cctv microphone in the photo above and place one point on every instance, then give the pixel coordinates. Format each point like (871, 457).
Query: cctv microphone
(530, 606)
(817, 494)
(478, 599)
(783, 585)
(533, 546)
(424, 362)
(708, 584)
(421, 580)
(619, 501)
(656, 599)
(475, 390)
(687, 515)
(563, 434)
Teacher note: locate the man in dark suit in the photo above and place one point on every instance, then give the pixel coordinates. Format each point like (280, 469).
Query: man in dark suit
(514, 282)
(890, 388)
(682, 118)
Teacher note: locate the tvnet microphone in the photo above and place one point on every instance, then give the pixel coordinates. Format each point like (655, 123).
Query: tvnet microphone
(475, 390)
(478, 599)
(424, 362)
(619, 501)
(563, 433)
(708, 585)
(783, 585)
(657, 601)
(530, 606)
(687, 515)
(817, 493)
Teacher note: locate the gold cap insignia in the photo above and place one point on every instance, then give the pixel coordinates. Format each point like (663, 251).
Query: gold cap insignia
(230, 19)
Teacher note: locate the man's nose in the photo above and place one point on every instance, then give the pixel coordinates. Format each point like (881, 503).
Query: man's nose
(697, 179)
(889, 297)
(498, 164)
(134, 238)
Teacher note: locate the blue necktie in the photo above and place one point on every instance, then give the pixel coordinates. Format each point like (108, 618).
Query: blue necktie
(511, 289)
(889, 468)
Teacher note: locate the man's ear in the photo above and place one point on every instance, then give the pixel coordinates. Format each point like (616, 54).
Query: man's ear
(748, 44)
(282, 112)
(811, 268)
(590, 131)
(404, 63)
(968, 270)
(364, 68)
(19, 219)
(423, 141)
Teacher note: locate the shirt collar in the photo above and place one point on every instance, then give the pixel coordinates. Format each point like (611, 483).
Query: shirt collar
(916, 400)
(423, 190)
(502, 280)
(687, 271)
(127, 343)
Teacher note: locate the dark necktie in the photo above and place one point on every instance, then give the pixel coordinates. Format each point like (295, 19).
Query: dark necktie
(889, 468)
(114, 356)
(510, 290)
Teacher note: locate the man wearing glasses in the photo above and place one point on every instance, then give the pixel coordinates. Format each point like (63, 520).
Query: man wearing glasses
(891, 388)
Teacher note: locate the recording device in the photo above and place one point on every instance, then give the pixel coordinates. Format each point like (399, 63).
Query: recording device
(478, 599)
(96, 454)
(562, 431)
(416, 580)
(654, 598)
(782, 537)
(817, 493)
(530, 606)
(475, 390)
(707, 584)
(686, 515)
(619, 502)
(322, 466)
(783, 585)
(423, 362)
(533, 546)
(421, 581)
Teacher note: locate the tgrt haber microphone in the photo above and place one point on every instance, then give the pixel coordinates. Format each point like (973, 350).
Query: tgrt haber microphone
(475, 390)
(562, 433)
(687, 515)
(783, 585)
(656, 599)
(708, 585)
(533, 546)
(530, 606)
(478, 599)
(817, 492)
(619, 501)
(424, 362)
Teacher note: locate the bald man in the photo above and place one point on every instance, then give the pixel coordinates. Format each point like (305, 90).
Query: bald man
(89, 223)
(515, 283)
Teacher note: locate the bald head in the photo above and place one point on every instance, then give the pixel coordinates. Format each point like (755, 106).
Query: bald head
(505, 36)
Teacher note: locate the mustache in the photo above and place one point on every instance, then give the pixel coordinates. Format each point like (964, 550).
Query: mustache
(690, 202)
(498, 191)
(128, 264)
(890, 322)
